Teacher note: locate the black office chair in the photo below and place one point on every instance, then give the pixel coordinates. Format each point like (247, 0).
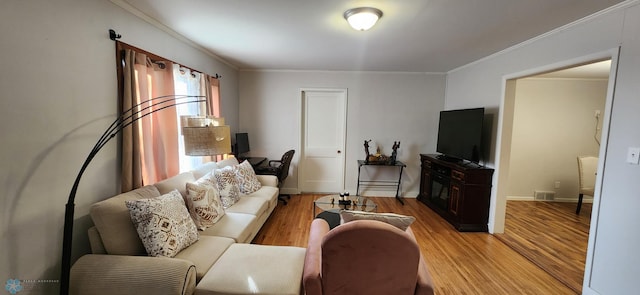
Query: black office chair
(279, 168)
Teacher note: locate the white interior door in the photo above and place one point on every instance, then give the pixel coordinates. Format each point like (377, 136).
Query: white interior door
(323, 140)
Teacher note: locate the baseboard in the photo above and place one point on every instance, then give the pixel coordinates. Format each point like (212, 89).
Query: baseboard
(289, 191)
(390, 194)
(586, 200)
(574, 200)
(588, 291)
(366, 193)
(519, 198)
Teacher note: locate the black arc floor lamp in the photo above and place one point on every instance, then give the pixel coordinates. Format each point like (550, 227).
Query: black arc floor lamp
(125, 119)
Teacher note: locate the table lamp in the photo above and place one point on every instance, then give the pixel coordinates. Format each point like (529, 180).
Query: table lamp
(205, 136)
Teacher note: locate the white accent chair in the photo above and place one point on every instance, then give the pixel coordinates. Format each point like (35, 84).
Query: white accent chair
(587, 166)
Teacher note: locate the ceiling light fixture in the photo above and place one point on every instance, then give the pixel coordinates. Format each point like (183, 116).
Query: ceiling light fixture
(362, 18)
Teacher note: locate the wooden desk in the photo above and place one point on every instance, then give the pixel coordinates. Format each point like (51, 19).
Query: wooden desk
(254, 161)
(382, 183)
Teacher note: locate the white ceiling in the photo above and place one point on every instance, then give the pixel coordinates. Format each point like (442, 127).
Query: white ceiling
(411, 36)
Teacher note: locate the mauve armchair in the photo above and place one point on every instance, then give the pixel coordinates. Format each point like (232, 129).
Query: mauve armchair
(364, 257)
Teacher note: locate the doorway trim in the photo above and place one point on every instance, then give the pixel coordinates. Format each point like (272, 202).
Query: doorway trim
(504, 136)
(301, 116)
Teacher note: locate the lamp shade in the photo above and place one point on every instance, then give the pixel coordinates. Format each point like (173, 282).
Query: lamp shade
(362, 18)
(200, 121)
(207, 140)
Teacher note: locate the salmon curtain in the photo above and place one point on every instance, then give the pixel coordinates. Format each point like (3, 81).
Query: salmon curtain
(150, 145)
(211, 88)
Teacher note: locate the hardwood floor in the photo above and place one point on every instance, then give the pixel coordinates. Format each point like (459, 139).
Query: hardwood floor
(552, 236)
(460, 263)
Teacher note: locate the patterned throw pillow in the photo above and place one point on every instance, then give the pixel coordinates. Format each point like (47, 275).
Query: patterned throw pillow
(203, 201)
(163, 224)
(227, 185)
(400, 221)
(247, 179)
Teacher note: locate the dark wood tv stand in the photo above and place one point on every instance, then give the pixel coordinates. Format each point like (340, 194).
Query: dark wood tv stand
(459, 192)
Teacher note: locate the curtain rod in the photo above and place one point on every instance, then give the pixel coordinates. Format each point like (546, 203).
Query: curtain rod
(154, 58)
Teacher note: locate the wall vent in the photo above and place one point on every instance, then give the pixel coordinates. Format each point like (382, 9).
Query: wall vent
(544, 195)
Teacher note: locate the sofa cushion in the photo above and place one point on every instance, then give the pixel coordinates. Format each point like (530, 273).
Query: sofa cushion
(163, 224)
(247, 180)
(95, 241)
(239, 226)
(205, 252)
(227, 185)
(250, 205)
(178, 182)
(255, 269)
(265, 192)
(113, 221)
(203, 169)
(268, 180)
(400, 221)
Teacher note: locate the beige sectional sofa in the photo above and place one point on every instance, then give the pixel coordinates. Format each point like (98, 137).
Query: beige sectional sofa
(220, 262)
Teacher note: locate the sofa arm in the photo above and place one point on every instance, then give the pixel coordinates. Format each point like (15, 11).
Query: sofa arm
(311, 280)
(135, 275)
(268, 180)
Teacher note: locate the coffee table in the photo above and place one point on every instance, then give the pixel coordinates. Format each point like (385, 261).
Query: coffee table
(330, 203)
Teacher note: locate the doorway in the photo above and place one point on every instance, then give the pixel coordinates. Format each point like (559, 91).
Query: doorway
(322, 161)
(542, 136)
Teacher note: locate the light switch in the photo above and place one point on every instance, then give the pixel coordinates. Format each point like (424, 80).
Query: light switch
(633, 156)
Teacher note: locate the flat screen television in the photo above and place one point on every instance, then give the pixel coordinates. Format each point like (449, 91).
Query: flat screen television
(242, 144)
(460, 134)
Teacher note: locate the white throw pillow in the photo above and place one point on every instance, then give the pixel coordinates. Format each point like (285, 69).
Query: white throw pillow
(227, 185)
(247, 179)
(163, 224)
(203, 201)
(400, 221)
(231, 161)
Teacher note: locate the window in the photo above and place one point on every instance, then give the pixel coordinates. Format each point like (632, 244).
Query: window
(153, 148)
(187, 82)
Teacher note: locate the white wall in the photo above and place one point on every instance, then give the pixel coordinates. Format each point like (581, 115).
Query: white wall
(58, 95)
(553, 123)
(613, 260)
(384, 107)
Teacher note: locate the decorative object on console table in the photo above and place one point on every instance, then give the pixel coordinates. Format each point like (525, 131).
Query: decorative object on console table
(125, 119)
(459, 192)
(394, 154)
(379, 158)
(366, 151)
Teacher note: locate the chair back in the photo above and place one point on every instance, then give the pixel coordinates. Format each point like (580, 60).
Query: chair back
(369, 257)
(587, 166)
(283, 169)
